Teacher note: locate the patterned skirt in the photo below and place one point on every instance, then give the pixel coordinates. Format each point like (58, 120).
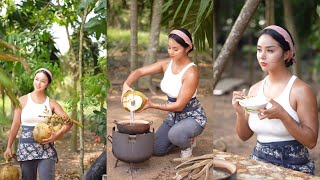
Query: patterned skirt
(29, 149)
(289, 154)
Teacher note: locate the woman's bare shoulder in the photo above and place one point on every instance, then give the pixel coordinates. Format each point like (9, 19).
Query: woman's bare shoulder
(301, 89)
(253, 91)
(23, 100)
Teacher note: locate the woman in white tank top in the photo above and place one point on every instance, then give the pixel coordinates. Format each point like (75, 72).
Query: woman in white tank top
(289, 124)
(33, 156)
(186, 118)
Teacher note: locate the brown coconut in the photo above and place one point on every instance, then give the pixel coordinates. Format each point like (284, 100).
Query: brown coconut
(139, 98)
(9, 172)
(41, 131)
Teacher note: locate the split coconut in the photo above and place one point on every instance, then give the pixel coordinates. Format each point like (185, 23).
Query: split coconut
(134, 100)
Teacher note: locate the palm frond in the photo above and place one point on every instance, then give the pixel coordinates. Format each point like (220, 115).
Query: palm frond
(7, 56)
(193, 15)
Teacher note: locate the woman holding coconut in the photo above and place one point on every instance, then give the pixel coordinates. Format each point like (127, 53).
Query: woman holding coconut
(35, 106)
(186, 118)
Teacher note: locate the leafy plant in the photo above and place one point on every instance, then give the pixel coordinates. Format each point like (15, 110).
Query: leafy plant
(98, 119)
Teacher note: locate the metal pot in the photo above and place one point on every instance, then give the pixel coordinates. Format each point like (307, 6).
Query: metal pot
(137, 127)
(131, 148)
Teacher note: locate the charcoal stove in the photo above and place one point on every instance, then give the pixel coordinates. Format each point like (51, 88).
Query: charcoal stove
(131, 148)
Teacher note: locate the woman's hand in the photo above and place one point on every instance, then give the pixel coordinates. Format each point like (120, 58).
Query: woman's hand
(8, 153)
(275, 112)
(147, 105)
(125, 88)
(54, 136)
(236, 97)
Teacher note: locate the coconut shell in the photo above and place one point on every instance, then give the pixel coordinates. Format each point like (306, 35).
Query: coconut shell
(9, 172)
(140, 100)
(57, 128)
(41, 131)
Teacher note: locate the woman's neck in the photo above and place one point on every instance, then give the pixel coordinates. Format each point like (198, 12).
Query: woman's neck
(183, 61)
(38, 96)
(279, 76)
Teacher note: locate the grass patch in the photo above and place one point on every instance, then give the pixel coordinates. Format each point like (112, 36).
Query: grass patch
(119, 40)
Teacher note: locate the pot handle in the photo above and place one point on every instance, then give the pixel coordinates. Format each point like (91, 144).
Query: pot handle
(109, 138)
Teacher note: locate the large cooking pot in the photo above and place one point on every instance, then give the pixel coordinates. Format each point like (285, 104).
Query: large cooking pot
(135, 127)
(131, 148)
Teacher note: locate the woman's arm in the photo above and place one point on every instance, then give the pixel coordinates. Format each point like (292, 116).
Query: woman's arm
(57, 109)
(190, 81)
(13, 131)
(15, 126)
(303, 100)
(242, 125)
(144, 71)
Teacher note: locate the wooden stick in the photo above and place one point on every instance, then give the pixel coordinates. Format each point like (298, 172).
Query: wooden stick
(198, 175)
(206, 156)
(194, 166)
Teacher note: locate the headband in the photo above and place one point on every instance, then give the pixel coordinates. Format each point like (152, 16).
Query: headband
(46, 70)
(287, 38)
(183, 36)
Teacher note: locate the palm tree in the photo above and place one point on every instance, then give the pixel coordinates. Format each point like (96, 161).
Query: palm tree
(193, 15)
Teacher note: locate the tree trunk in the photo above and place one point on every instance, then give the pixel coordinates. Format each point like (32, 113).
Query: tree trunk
(81, 119)
(269, 13)
(145, 82)
(214, 36)
(74, 133)
(134, 34)
(289, 21)
(106, 77)
(233, 39)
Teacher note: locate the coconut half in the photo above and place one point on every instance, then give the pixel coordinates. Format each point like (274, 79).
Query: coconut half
(134, 100)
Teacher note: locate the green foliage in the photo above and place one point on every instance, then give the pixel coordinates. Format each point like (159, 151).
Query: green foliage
(193, 15)
(118, 40)
(95, 89)
(97, 24)
(98, 119)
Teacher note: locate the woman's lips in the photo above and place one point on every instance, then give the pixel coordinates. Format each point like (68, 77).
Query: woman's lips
(263, 64)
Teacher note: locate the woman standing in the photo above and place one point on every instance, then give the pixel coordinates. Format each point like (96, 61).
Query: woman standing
(289, 124)
(186, 118)
(33, 156)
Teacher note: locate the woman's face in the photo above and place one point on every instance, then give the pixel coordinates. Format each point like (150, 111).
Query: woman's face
(40, 81)
(175, 50)
(269, 53)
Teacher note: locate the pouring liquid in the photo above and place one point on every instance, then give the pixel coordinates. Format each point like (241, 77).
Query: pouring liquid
(133, 103)
(131, 117)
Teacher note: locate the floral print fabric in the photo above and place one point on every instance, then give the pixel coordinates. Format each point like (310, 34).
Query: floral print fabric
(289, 154)
(193, 109)
(29, 149)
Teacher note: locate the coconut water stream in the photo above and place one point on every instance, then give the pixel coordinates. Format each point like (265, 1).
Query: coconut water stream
(133, 103)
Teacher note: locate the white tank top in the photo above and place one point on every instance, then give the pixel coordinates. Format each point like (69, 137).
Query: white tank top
(31, 111)
(273, 130)
(171, 83)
